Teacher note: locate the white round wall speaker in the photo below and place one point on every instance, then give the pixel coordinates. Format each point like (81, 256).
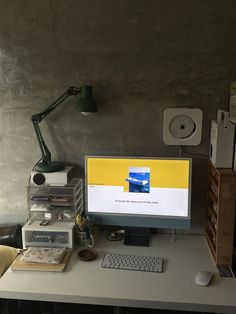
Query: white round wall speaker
(182, 126)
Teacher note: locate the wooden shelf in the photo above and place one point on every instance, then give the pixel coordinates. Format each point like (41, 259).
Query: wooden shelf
(212, 196)
(211, 228)
(221, 214)
(211, 245)
(212, 214)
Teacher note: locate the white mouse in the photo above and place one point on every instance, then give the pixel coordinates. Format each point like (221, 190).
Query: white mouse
(203, 278)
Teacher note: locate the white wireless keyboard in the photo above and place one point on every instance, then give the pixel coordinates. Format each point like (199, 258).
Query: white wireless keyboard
(133, 262)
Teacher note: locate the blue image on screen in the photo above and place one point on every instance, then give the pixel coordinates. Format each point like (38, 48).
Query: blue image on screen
(139, 180)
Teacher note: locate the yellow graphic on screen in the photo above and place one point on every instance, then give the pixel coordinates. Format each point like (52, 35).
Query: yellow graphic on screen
(115, 171)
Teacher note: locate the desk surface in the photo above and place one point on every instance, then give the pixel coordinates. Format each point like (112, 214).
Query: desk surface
(88, 283)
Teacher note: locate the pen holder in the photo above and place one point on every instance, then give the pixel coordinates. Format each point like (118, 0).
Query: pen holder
(84, 239)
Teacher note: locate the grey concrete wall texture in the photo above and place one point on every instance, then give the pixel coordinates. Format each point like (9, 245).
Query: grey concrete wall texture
(141, 56)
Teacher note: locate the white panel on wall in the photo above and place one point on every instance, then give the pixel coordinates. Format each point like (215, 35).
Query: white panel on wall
(182, 126)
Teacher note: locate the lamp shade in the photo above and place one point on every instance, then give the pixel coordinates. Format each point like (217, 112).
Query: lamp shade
(86, 103)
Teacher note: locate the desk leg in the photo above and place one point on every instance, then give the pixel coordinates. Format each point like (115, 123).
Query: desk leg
(122, 310)
(11, 307)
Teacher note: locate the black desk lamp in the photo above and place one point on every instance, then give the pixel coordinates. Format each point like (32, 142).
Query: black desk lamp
(85, 105)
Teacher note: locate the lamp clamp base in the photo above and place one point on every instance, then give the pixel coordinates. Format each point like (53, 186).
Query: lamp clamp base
(52, 166)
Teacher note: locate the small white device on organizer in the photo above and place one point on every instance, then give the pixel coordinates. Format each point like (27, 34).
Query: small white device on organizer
(58, 178)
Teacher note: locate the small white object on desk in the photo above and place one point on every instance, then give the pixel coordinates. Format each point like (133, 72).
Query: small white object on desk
(203, 278)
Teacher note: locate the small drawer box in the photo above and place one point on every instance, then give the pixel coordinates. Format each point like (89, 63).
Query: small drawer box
(55, 234)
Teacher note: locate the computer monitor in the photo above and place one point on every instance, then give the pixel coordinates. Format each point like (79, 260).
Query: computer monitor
(138, 191)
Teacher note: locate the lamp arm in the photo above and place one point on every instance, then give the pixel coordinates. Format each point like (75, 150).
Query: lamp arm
(71, 91)
(37, 118)
(46, 155)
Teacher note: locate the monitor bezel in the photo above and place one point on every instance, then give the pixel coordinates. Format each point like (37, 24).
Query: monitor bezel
(139, 220)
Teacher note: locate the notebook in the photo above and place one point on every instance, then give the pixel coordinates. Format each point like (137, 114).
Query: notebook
(45, 255)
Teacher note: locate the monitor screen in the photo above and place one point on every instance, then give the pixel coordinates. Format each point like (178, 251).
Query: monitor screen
(138, 191)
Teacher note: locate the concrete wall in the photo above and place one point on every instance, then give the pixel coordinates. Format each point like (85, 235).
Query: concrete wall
(141, 56)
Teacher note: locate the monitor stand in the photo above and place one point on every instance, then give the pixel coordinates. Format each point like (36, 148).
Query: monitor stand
(137, 236)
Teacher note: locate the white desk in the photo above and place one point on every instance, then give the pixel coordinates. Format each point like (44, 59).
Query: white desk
(88, 283)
